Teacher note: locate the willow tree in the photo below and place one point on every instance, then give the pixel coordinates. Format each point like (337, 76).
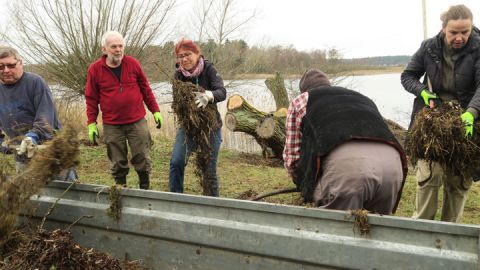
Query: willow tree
(219, 26)
(63, 37)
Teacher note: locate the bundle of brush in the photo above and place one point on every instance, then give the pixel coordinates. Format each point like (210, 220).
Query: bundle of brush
(199, 124)
(57, 250)
(61, 153)
(438, 135)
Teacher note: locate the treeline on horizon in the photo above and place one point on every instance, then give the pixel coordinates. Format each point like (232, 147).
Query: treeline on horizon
(236, 59)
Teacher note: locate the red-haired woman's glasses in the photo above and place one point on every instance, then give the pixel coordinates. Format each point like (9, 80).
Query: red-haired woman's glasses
(185, 55)
(9, 66)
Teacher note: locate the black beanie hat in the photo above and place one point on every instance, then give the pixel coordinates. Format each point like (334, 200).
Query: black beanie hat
(313, 78)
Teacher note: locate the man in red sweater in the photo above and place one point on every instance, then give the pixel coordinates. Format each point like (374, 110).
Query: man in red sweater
(118, 84)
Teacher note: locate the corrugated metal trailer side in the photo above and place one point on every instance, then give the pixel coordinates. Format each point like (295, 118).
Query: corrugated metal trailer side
(177, 231)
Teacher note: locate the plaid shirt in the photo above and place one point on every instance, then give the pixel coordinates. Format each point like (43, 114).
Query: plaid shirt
(293, 125)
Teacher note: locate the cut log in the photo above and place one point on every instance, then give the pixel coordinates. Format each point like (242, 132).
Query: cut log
(272, 129)
(243, 117)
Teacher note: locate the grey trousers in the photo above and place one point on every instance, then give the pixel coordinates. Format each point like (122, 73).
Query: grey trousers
(138, 138)
(360, 175)
(430, 176)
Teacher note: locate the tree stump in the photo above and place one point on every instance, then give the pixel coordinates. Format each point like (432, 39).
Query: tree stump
(243, 117)
(276, 85)
(272, 128)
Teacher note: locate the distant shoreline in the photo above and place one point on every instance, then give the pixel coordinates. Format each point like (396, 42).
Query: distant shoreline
(360, 72)
(388, 70)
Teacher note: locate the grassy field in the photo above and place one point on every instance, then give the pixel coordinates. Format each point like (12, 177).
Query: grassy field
(239, 173)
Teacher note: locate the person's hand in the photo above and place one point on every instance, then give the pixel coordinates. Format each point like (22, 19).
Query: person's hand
(202, 99)
(467, 118)
(25, 146)
(158, 119)
(92, 132)
(427, 96)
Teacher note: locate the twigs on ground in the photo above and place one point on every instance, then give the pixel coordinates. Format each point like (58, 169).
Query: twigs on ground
(273, 193)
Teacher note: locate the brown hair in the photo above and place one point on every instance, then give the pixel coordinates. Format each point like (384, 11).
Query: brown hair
(457, 12)
(187, 44)
(6, 51)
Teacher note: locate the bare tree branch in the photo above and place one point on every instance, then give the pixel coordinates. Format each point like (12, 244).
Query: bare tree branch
(63, 37)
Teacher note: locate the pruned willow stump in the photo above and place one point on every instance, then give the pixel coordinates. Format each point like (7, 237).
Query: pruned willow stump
(276, 85)
(268, 129)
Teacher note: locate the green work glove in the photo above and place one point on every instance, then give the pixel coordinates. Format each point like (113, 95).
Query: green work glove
(467, 118)
(158, 119)
(427, 95)
(92, 132)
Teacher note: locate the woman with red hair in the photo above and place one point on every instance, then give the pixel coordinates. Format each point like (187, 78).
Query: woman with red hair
(192, 67)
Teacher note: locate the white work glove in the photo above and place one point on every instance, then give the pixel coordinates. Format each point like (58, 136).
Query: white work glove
(25, 147)
(202, 99)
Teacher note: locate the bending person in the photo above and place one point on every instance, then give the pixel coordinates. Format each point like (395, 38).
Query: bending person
(339, 151)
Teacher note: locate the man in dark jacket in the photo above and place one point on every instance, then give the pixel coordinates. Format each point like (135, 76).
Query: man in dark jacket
(339, 151)
(450, 63)
(117, 84)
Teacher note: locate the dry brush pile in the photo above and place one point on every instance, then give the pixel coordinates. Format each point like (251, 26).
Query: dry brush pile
(438, 135)
(199, 124)
(37, 248)
(62, 153)
(57, 250)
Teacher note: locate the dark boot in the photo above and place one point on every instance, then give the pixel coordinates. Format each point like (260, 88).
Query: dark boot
(121, 180)
(144, 180)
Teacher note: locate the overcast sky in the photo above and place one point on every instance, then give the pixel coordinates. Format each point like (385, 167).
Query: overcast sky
(358, 28)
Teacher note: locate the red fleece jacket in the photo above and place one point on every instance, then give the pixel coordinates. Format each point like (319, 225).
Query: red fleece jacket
(121, 101)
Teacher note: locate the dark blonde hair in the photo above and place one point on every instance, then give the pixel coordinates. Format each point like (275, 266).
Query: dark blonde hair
(457, 12)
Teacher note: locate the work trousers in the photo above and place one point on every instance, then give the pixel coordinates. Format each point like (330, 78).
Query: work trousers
(430, 176)
(181, 151)
(360, 175)
(137, 136)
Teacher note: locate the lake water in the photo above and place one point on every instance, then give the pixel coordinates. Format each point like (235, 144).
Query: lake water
(385, 90)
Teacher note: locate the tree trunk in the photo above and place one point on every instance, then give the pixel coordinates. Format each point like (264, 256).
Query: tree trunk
(272, 128)
(276, 85)
(243, 117)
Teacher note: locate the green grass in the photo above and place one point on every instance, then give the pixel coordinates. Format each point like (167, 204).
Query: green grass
(238, 173)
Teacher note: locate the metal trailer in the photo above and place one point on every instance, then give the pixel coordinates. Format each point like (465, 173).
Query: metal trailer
(177, 231)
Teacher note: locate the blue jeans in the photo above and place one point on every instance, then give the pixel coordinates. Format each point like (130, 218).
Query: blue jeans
(181, 151)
